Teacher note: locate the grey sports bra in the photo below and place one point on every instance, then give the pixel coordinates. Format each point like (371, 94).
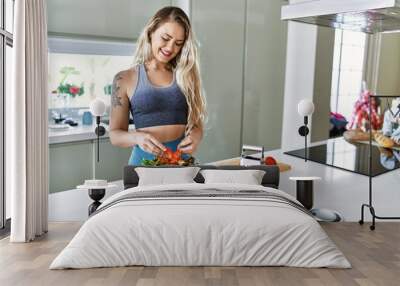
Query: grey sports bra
(154, 106)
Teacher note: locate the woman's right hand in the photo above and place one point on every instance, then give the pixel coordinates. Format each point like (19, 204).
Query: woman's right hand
(149, 143)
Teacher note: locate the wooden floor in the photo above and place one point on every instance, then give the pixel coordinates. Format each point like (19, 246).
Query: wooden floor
(375, 257)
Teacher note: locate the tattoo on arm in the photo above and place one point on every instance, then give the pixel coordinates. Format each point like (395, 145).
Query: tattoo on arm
(116, 89)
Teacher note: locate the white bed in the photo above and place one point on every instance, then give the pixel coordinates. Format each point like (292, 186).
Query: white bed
(185, 230)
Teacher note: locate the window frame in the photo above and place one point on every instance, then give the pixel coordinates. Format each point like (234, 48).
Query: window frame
(90, 46)
(6, 39)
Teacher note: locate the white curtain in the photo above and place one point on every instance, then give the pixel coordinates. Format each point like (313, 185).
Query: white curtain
(26, 117)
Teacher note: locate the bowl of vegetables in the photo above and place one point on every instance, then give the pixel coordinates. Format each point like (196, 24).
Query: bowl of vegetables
(169, 157)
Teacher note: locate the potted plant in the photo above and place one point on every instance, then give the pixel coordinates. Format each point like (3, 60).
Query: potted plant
(67, 89)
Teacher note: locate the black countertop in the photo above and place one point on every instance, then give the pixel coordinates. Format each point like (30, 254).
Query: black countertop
(351, 157)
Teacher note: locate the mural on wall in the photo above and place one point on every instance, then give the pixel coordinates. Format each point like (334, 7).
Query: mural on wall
(75, 79)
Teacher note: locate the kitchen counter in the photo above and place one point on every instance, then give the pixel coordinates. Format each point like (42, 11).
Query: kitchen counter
(77, 133)
(353, 157)
(237, 160)
(338, 190)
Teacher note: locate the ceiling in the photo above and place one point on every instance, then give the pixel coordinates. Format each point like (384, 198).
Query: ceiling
(113, 19)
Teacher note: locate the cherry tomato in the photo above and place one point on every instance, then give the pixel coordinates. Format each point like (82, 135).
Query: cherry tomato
(168, 153)
(270, 161)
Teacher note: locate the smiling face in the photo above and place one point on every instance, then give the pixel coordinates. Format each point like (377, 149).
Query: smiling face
(167, 41)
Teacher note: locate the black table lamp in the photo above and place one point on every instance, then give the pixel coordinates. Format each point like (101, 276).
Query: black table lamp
(97, 108)
(305, 108)
(96, 187)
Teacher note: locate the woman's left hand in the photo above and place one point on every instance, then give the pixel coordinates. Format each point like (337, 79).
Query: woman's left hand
(190, 143)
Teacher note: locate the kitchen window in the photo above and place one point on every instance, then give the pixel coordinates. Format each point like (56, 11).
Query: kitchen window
(81, 70)
(347, 71)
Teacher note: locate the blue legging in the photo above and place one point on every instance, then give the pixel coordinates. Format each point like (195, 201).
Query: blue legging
(138, 154)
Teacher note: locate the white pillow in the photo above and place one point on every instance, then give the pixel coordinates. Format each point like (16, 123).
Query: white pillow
(162, 176)
(249, 177)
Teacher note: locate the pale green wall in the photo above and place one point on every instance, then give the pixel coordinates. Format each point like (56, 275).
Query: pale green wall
(264, 74)
(388, 70)
(219, 27)
(243, 50)
(123, 19)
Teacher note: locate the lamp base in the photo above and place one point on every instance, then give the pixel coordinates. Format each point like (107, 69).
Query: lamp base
(303, 130)
(96, 195)
(100, 130)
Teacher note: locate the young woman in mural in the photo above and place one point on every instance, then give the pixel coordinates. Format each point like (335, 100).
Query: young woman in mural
(162, 91)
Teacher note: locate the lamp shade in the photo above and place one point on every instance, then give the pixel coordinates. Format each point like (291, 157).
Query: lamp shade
(97, 107)
(305, 107)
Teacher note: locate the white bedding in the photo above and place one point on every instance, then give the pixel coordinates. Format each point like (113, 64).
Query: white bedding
(200, 231)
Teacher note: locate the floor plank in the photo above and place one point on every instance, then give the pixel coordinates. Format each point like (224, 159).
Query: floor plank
(374, 255)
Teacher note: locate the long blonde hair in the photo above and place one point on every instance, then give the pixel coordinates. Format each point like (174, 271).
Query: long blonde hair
(185, 63)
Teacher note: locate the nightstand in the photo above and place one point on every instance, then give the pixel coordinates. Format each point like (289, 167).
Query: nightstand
(96, 193)
(304, 190)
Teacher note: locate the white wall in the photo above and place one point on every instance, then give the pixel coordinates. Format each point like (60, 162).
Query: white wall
(322, 84)
(299, 80)
(308, 76)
